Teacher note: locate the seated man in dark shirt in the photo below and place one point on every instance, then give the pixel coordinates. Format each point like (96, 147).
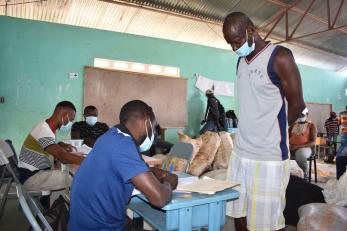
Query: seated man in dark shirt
(89, 129)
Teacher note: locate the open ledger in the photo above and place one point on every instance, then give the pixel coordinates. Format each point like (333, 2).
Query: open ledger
(206, 185)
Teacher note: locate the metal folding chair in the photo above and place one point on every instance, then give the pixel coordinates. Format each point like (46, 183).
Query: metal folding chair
(6, 177)
(26, 201)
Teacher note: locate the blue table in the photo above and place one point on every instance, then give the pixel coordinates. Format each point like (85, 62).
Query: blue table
(185, 214)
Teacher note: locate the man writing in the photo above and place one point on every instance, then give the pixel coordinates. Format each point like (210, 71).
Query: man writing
(89, 129)
(39, 149)
(270, 97)
(103, 185)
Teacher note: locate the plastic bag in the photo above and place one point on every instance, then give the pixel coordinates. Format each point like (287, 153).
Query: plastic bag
(322, 217)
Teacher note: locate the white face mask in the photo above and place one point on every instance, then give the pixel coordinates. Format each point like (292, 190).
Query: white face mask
(147, 143)
(245, 49)
(67, 127)
(91, 120)
(302, 119)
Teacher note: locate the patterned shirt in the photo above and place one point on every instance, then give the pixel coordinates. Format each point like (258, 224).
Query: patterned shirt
(332, 126)
(33, 155)
(343, 122)
(86, 130)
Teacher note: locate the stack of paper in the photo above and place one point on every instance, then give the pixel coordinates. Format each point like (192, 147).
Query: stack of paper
(207, 186)
(84, 149)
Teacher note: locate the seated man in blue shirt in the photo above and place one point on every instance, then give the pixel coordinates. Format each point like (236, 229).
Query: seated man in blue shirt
(103, 184)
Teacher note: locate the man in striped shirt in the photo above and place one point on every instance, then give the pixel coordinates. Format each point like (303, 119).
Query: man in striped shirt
(332, 127)
(343, 123)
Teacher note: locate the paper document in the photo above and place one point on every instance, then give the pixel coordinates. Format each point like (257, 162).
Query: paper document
(84, 149)
(207, 186)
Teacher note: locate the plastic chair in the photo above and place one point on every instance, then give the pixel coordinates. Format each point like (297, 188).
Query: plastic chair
(182, 150)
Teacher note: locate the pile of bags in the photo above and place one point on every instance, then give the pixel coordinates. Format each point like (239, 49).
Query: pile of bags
(212, 151)
(335, 191)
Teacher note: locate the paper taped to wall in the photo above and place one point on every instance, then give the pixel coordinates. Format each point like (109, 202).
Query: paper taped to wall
(220, 87)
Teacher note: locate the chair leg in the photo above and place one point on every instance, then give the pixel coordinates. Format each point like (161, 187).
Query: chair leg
(4, 197)
(2, 176)
(315, 169)
(309, 170)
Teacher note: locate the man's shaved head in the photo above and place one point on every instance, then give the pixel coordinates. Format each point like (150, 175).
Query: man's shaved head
(234, 29)
(238, 22)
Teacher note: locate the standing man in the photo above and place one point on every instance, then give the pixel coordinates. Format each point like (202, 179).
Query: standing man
(214, 115)
(103, 185)
(89, 129)
(302, 139)
(332, 127)
(343, 123)
(270, 97)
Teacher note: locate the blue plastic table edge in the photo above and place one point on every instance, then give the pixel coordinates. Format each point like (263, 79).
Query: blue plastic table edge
(197, 199)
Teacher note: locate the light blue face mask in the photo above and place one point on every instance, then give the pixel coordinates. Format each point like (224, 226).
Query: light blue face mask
(91, 120)
(67, 127)
(147, 143)
(245, 49)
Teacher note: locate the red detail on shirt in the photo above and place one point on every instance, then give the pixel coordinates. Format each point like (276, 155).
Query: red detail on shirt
(256, 55)
(51, 125)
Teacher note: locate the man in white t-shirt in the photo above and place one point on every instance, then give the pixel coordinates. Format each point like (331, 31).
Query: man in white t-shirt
(40, 148)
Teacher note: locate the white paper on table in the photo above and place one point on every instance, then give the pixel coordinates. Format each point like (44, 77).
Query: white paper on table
(207, 186)
(223, 88)
(84, 149)
(187, 180)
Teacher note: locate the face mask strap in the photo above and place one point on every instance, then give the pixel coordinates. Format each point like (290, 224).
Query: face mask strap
(146, 128)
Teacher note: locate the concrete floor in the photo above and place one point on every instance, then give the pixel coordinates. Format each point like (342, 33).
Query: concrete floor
(14, 220)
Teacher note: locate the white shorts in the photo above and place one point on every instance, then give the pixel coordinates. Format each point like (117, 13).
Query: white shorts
(262, 192)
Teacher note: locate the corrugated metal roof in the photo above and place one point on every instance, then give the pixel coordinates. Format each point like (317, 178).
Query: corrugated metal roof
(194, 21)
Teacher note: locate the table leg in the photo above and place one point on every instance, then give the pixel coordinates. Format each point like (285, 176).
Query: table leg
(214, 216)
(185, 219)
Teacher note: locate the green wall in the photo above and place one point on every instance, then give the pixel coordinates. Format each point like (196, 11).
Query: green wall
(36, 57)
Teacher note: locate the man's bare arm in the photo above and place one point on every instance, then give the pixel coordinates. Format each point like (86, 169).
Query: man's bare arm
(288, 72)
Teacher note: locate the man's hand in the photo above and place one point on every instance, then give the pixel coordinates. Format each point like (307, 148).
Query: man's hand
(67, 147)
(172, 179)
(159, 173)
(164, 176)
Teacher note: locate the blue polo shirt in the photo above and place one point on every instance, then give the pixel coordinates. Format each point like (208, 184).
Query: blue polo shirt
(102, 187)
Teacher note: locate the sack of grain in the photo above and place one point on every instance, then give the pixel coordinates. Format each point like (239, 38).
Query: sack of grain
(221, 160)
(205, 156)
